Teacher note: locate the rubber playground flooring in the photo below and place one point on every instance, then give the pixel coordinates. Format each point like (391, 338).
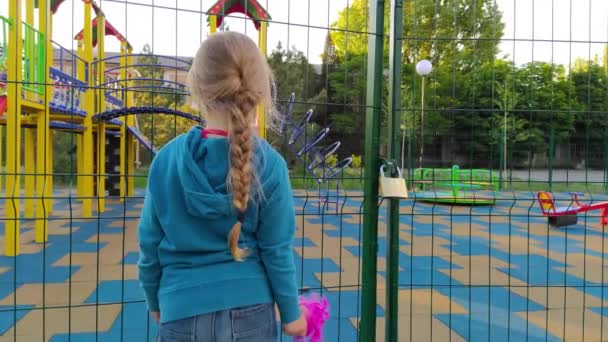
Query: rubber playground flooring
(495, 273)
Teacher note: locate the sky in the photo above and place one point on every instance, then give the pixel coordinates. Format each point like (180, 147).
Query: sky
(558, 31)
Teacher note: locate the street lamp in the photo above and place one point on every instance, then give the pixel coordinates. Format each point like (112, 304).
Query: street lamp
(423, 68)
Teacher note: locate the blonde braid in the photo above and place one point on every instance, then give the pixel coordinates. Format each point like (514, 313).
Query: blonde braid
(230, 76)
(241, 163)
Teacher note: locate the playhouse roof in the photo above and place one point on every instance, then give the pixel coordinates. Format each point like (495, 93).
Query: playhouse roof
(250, 8)
(110, 31)
(55, 5)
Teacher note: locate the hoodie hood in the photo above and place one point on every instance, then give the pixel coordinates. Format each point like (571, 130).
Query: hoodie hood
(203, 174)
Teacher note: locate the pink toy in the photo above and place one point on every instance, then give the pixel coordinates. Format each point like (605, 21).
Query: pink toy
(318, 313)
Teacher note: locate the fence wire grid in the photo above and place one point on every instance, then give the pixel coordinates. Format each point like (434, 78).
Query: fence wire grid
(501, 138)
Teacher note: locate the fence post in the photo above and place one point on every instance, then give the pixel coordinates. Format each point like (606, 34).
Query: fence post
(502, 167)
(371, 171)
(394, 109)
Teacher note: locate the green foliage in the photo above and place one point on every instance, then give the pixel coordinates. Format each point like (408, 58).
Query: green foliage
(356, 161)
(332, 160)
(456, 63)
(159, 128)
(292, 73)
(353, 22)
(64, 157)
(590, 81)
(468, 95)
(347, 84)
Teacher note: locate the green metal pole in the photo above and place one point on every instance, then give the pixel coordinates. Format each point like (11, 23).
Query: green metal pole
(372, 170)
(551, 152)
(394, 108)
(502, 156)
(410, 164)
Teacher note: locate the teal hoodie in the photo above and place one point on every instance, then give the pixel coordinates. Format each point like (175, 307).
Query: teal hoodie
(185, 265)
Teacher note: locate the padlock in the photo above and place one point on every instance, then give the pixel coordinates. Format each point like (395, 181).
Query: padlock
(392, 187)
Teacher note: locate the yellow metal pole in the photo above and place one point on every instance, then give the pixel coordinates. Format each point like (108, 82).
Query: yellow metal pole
(261, 119)
(50, 167)
(101, 126)
(28, 160)
(48, 189)
(43, 140)
(13, 131)
(212, 24)
(88, 106)
(130, 166)
(28, 40)
(130, 139)
(79, 165)
(80, 75)
(29, 168)
(123, 128)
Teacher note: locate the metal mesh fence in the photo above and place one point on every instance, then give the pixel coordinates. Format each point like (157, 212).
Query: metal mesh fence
(502, 130)
(502, 143)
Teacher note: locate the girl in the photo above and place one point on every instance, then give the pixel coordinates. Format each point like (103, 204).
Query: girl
(218, 220)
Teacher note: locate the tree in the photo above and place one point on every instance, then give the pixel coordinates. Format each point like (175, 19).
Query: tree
(605, 59)
(151, 90)
(352, 25)
(292, 73)
(459, 38)
(347, 117)
(326, 98)
(546, 98)
(590, 83)
(472, 28)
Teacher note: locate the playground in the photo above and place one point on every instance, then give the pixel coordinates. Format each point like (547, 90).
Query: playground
(467, 274)
(461, 255)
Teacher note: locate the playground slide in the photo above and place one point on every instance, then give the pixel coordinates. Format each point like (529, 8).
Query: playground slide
(142, 138)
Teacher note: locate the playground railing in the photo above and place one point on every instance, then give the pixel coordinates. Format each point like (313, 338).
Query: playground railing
(32, 55)
(68, 61)
(114, 92)
(33, 59)
(67, 93)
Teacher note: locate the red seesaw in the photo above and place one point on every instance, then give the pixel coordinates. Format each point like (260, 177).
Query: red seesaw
(568, 215)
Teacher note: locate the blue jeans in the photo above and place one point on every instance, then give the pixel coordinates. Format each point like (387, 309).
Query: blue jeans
(246, 324)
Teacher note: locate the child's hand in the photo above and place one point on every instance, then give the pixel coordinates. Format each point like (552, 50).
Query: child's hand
(297, 328)
(155, 316)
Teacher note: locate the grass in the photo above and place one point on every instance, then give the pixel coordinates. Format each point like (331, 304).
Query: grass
(141, 178)
(349, 179)
(352, 179)
(525, 185)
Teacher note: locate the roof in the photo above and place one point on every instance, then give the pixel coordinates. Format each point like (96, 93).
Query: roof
(110, 31)
(251, 8)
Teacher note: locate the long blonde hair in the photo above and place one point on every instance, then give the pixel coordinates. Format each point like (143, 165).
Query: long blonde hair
(230, 75)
